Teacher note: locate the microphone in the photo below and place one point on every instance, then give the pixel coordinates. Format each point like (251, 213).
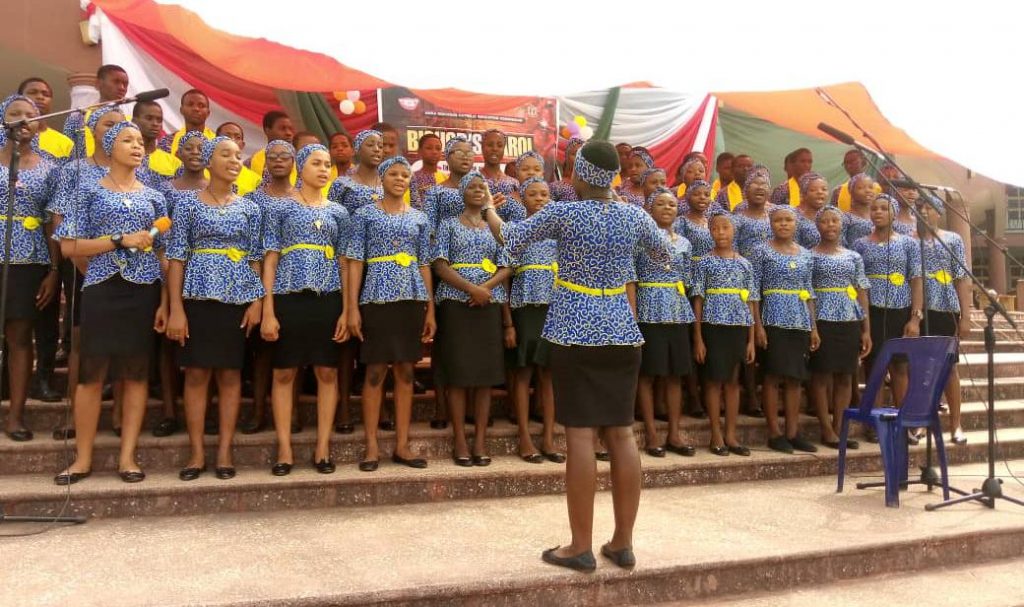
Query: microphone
(836, 134)
(143, 96)
(161, 225)
(902, 183)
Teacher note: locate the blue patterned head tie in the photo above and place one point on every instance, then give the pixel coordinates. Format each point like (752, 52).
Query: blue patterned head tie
(827, 209)
(303, 155)
(529, 154)
(894, 206)
(526, 184)
(94, 117)
(692, 162)
(3, 112)
(209, 145)
(856, 179)
(649, 172)
(936, 203)
(658, 192)
(781, 208)
(593, 174)
(717, 211)
(266, 165)
(698, 183)
(449, 145)
(110, 136)
(390, 162)
(363, 136)
(468, 179)
(808, 178)
(758, 170)
(189, 136)
(642, 153)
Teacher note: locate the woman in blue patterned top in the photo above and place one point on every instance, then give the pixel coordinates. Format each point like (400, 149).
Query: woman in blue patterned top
(664, 316)
(34, 269)
(947, 295)
(813, 194)
(723, 332)
(905, 222)
(857, 222)
(492, 147)
(631, 190)
(784, 326)
(213, 280)
(122, 299)
(391, 312)
(840, 286)
(562, 189)
(529, 165)
(303, 307)
(444, 201)
(529, 297)
(471, 267)
(363, 187)
(595, 354)
(650, 181)
(892, 263)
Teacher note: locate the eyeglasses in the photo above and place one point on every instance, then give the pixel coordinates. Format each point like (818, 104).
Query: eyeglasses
(281, 156)
(463, 153)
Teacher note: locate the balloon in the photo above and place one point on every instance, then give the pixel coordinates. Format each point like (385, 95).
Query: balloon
(574, 129)
(580, 121)
(347, 107)
(360, 106)
(586, 132)
(353, 96)
(565, 132)
(339, 95)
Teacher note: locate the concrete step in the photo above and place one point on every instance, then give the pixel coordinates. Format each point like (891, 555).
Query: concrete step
(162, 493)
(703, 543)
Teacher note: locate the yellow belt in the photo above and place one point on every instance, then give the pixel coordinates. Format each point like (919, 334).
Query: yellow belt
(849, 290)
(486, 265)
(678, 286)
(590, 290)
(743, 293)
(803, 293)
(327, 249)
(552, 267)
(696, 258)
(942, 276)
(402, 258)
(895, 278)
(29, 223)
(235, 255)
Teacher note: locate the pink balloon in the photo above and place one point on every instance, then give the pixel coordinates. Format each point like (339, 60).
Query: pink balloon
(353, 96)
(574, 129)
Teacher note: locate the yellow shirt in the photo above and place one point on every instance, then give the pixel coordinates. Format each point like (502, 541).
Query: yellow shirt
(55, 143)
(181, 133)
(248, 180)
(735, 194)
(715, 187)
(844, 200)
(681, 190)
(162, 163)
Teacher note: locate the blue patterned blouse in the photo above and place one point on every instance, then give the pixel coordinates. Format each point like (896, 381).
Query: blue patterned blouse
(32, 193)
(807, 235)
(73, 179)
(855, 227)
(699, 236)
(889, 267)
(103, 213)
(597, 244)
(784, 282)
(630, 197)
(661, 288)
(512, 210)
(562, 191)
(421, 182)
(174, 196)
(394, 248)
(310, 241)
(441, 203)
(751, 232)
(216, 244)
(534, 277)
(907, 229)
(842, 270)
(711, 276)
(943, 272)
(351, 195)
(457, 243)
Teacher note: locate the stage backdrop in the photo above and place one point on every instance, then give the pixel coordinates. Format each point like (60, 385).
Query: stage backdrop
(530, 123)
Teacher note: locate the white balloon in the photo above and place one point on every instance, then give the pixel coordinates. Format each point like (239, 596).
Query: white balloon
(347, 106)
(586, 132)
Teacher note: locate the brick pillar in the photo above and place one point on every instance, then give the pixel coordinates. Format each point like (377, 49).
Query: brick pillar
(997, 267)
(83, 89)
(1020, 295)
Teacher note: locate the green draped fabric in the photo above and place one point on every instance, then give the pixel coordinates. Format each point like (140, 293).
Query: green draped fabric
(604, 126)
(312, 112)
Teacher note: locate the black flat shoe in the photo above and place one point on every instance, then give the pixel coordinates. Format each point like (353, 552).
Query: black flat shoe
(412, 462)
(554, 456)
(296, 426)
(481, 460)
(463, 461)
(20, 435)
(721, 450)
(191, 473)
(801, 444)
(583, 561)
(324, 466)
(602, 456)
(695, 413)
(623, 558)
(779, 443)
(64, 434)
(224, 472)
(655, 451)
(116, 431)
(369, 465)
(870, 435)
(254, 427)
(281, 469)
(753, 413)
(386, 425)
(533, 458)
(438, 424)
(70, 478)
(852, 444)
(345, 428)
(738, 450)
(132, 476)
(166, 427)
(686, 450)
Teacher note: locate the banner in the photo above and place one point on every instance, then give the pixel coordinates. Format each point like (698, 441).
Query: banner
(530, 124)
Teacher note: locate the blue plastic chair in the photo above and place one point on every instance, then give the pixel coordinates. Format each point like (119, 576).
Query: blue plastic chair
(931, 360)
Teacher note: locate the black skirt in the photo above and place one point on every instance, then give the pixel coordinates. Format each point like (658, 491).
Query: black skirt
(530, 348)
(308, 320)
(839, 351)
(726, 349)
(23, 282)
(117, 329)
(666, 351)
(786, 354)
(886, 324)
(469, 346)
(215, 340)
(392, 331)
(595, 386)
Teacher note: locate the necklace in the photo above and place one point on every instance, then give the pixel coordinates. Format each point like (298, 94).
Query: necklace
(319, 201)
(120, 187)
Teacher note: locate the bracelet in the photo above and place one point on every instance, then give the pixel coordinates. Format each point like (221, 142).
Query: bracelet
(483, 211)
(55, 268)
(509, 326)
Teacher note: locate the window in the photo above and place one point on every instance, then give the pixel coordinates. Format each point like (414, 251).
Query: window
(1014, 209)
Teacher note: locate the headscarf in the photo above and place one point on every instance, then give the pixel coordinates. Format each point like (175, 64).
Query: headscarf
(189, 136)
(692, 161)
(110, 136)
(649, 172)
(658, 192)
(303, 155)
(856, 179)
(807, 178)
(758, 170)
(715, 211)
(936, 203)
(593, 174)
(697, 183)
(94, 117)
(449, 145)
(3, 112)
(209, 145)
(526, 184)
(894, 206)
(390, 162)
(529, 154)
(828, 209)
(266, 150)
(363, 136)
(781, 208)
(642, 153)
(467, 179)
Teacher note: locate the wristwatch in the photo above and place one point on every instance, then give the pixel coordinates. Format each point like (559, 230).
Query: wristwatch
(116, 239)
(918, 314)
(483, 211)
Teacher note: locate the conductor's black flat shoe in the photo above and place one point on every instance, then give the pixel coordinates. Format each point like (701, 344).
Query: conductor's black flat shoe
(70, 478)
(623, 558)
(554, 456)
(533, 458)
(463, 461)
(481, 460)
(224, 472)
(721, 450)
(132, 476)
(369, 465)
(20, 435)
(686, 450)
(779, 443)
(324, 466)
(583, 561)
(412, 462)
(655, 451)
(191, 473)
(281, 469)
(738, 450)
(801, 444)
